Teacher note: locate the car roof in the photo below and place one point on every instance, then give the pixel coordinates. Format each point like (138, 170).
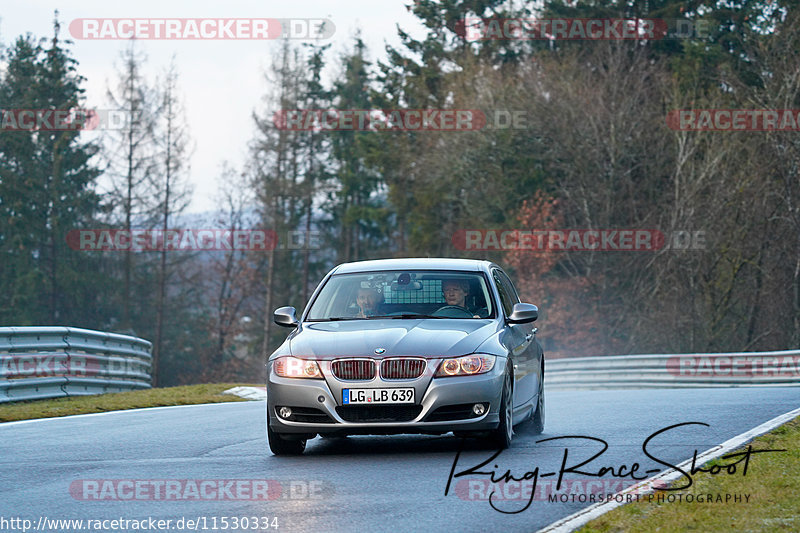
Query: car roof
(414, 263)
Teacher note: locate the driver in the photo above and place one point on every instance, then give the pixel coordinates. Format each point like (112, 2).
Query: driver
(455, 293)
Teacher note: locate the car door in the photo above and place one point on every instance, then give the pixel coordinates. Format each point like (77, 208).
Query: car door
(519, 341)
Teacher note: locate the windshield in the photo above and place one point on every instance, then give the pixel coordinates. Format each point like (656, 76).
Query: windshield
(403, 294)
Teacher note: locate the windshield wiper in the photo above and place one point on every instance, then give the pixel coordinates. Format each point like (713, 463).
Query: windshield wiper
(403, 316)
(335, 319)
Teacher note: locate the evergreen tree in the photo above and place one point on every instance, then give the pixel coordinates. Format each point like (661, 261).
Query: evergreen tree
(356, 205)
(47, 180)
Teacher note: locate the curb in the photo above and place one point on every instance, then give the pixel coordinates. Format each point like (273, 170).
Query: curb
(576, 520)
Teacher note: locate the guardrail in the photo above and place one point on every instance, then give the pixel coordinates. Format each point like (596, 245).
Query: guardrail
(743, 369)
(52, 362)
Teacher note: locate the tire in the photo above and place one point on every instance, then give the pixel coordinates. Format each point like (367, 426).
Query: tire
(537, 419)
(500, 438)
(280, 446)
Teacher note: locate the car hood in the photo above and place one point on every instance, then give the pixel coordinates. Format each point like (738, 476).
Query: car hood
(420, 337)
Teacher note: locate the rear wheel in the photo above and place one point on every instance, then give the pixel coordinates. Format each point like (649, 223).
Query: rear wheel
(500, 438)
(280, 446)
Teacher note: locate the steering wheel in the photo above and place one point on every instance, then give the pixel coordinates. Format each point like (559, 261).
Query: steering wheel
(452, 311)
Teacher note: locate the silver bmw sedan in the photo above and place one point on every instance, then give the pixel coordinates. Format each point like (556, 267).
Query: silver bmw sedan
(406, 346)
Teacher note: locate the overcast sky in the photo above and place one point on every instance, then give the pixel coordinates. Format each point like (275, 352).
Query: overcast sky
(222, 81)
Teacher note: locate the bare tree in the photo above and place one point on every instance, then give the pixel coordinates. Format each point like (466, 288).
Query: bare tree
(172, 188)
(276, 173)
(232, 274)
(131, 151)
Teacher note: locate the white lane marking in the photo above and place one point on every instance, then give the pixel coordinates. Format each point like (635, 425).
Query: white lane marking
(250, 393)
(71, 417)
(576, 520)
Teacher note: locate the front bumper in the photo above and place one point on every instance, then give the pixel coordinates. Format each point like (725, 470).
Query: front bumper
(322, 397)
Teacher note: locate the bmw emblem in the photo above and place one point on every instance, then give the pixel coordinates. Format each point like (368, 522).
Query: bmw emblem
(379, 351)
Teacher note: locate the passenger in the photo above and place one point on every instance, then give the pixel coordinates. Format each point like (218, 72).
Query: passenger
(369, 302)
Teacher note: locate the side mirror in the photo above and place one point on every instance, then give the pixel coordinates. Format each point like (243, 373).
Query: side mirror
(286, 317)
(522, 313)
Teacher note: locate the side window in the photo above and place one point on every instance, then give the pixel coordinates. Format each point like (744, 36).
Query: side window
(512, 291)
(503, 290)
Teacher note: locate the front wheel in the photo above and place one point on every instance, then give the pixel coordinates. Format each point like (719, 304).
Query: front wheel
(538, 417)
(500, 438)
(280, 446)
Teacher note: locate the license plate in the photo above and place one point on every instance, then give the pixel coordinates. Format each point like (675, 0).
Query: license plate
(371, 396)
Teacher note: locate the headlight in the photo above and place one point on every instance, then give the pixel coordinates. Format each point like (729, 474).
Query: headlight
(465, 366)
(292, 367)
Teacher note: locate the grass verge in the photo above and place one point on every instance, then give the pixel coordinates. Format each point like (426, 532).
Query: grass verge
(119, 401)
(771, 482)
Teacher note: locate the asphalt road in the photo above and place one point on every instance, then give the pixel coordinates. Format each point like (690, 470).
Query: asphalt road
(59, 469)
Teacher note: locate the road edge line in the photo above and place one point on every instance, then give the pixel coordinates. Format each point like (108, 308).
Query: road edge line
(582, 517)
(114, 412)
